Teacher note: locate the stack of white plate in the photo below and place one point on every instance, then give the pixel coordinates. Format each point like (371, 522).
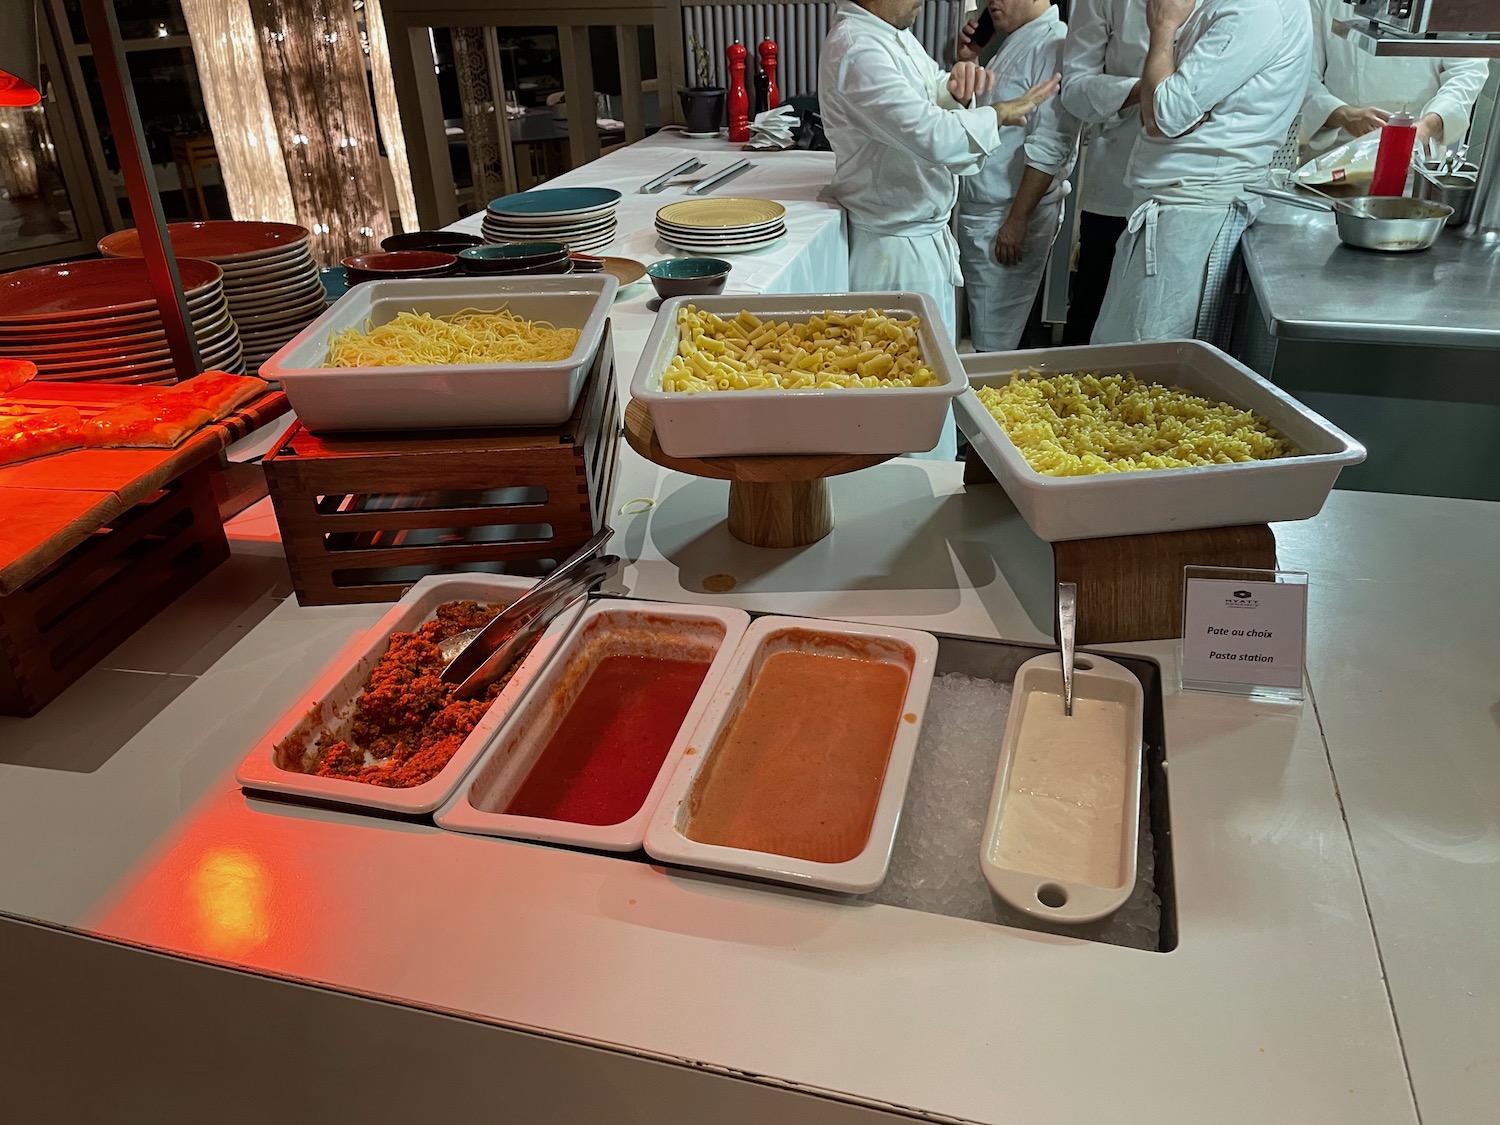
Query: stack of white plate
(270, 277)
(581, 218)
(721, 226)
(97, 321)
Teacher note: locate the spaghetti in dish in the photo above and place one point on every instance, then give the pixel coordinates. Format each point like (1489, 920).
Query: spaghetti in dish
(832, 351)
(467, 336)
(1075, 425)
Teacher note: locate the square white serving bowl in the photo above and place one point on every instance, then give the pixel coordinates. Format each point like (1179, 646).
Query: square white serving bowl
(738, 423)
(454, 396)
(1153, 500)
(1040, 893)
(700, 632)
(917, 652)
(332, 695)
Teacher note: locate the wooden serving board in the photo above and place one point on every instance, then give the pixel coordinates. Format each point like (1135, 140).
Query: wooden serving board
(51, 504)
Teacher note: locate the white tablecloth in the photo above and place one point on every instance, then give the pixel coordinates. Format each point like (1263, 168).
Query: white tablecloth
(812, 258)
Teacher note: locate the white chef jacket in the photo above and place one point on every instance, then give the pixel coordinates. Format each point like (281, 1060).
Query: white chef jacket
(1242, 68)
(899, 142)
(1000, 297)
(1104, 57)
(1345, 75)
(899, 139)
(1048, 141)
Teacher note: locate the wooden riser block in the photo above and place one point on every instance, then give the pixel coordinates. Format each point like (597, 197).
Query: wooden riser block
(61, 623)
(1130, 587)
(363, 516)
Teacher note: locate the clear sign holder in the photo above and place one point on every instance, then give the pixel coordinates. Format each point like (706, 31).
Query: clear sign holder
(1244, 632)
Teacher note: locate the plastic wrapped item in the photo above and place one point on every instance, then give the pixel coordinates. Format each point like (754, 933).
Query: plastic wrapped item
(1349, 165)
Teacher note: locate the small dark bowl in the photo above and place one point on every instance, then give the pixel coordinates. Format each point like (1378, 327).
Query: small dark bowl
(504, 257)
(681, 277)
(401, 263)
(443, 241)
(587, 263)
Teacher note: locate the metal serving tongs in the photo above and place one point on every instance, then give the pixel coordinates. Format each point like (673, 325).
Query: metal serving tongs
(469, 652)
(1067, 631)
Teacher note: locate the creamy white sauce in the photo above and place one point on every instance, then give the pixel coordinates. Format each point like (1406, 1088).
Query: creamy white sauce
(1065, 796)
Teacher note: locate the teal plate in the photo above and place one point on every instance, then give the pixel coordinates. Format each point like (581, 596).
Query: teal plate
(555, 201)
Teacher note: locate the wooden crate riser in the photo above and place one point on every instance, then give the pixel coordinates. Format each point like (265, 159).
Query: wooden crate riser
(61, 623)
(353, 506)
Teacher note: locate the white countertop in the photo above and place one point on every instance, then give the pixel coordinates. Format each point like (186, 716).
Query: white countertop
(1331, 860)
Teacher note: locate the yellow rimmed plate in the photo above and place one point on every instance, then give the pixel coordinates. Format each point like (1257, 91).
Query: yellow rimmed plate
(718, 214)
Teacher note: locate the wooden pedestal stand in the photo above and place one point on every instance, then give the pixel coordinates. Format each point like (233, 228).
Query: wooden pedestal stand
(1130, 586)
(773, 501)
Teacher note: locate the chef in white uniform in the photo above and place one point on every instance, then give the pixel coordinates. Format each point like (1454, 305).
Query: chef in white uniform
(1222, 83)
(902, 132)
(1009, 212)
(1352, 92)
(1101, 87)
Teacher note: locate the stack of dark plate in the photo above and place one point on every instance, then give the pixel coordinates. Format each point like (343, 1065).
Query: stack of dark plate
(387, 265)
(581, 218)
(515, 259)
(97, 321)
(588, 263)
(270, 278)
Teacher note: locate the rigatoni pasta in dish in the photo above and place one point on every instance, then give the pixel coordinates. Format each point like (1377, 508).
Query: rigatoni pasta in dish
(468, 336)
(828, 352)
(1071, 425)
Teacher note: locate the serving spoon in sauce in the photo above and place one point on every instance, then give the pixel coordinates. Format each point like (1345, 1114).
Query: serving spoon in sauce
(1067, 632)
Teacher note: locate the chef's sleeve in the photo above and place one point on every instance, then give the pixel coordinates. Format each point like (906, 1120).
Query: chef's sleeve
(1230, 52)
(1462, 80)
(1320, 102)
(1087, 92)
(1052, 132)
(875, 94)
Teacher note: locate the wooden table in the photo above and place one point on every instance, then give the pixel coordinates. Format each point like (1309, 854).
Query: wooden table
(97, 541)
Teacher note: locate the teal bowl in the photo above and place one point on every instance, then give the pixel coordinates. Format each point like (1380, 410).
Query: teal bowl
(682, 277)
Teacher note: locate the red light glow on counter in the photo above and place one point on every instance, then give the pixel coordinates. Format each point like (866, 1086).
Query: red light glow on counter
(229, 892)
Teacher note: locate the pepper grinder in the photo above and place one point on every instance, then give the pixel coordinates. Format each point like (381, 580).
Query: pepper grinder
(739, 98)
(772, 98)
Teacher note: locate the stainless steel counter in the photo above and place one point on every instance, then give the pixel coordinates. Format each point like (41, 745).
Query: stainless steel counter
(1310, 286)
(1401, 350)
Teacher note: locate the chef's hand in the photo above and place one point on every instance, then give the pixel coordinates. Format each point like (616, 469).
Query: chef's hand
(1358, 120)
(1015, 111)
(1431, 125)
(1166, 16)
(968, 50)
(967, 81)
(1010, 243)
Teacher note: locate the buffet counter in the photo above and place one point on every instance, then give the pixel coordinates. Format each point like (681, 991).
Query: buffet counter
(1335, 870)
(1388, 346)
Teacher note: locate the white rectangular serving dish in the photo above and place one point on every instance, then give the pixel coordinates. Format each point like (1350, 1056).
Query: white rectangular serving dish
(699, 632)
(331, 697)
(733, 423)
(1043, 888)
(666, 839)
(1140, 503)
(454, 396)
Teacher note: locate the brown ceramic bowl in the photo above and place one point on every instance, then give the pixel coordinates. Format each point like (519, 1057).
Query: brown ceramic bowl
(682, 277)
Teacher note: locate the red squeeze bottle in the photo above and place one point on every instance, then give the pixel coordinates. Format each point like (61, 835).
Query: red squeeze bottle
(1398, 137)
(739, 98)
(767, 51)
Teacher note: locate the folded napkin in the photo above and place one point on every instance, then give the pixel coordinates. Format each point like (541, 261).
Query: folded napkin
(774, 128)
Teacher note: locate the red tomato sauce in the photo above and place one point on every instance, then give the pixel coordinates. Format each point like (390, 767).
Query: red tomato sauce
(601, 762)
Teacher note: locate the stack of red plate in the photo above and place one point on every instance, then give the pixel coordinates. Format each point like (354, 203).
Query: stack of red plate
(97, 321)
(270, 277)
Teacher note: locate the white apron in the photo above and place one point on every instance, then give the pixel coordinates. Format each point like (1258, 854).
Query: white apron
(1000, 298)
(918, 260)
(1173, 266)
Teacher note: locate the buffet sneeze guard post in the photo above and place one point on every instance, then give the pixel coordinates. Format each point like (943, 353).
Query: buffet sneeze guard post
(1244, 632)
